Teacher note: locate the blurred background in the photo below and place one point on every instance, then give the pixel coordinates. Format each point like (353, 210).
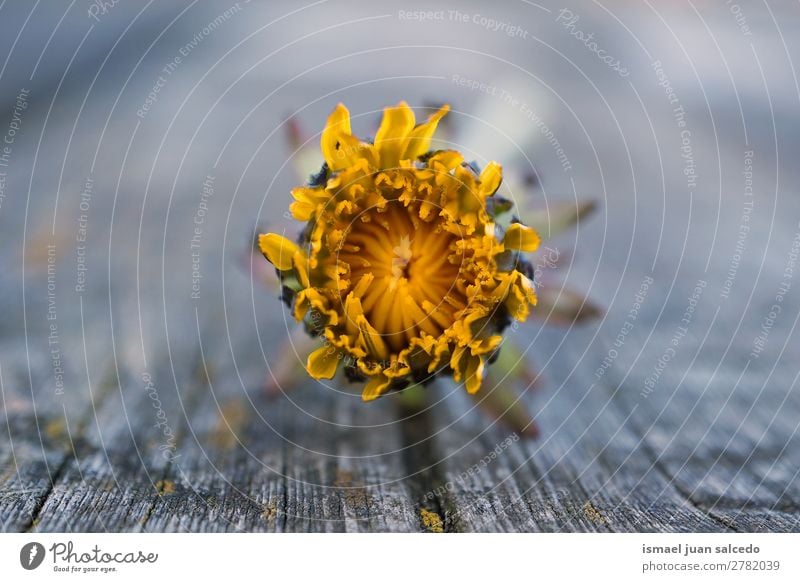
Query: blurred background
(145, 144)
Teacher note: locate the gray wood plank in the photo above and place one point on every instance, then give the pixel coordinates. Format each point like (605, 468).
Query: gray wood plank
(587, 472)
(310, 459)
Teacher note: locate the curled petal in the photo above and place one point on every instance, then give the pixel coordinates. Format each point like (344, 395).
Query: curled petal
(306, 202)
(336, 131)
(375, 388)
(311, 298)
(457, 363)
(300, 264)
(322, 363)
(393, 134)
(521, 295)
(372, 340)
(474, 374)
(490, 179)
(521, 238)
(419, 141)
(278, 250)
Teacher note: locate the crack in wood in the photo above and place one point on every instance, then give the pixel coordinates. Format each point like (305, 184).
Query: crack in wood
(425, 477)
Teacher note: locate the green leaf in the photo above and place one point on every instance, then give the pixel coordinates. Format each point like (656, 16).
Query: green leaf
(498, 397)
(287, 367)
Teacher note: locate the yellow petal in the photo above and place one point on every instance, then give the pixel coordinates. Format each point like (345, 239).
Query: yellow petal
(373, 341)
(344, 343)
(441, 354)
(392, 136)
(363, 285)
(421, 319)
(353, 311)
(351, 150)
(474, 374)
(444, 161)
(521, 238)
(322, 363)
(376, 387)
(300, 264)
(456, 362)
(307, 200)
(521, 294)
(337, 127)
(311, 298)
(301, 211)
(490, 179)
(278, 250)
(419, 141)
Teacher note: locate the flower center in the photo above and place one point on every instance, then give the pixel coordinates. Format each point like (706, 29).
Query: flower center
(415, 268)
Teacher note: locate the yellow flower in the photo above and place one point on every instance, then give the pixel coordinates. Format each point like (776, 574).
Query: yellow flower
(401, 267)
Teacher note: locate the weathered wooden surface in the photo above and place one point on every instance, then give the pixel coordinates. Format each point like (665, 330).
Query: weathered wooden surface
(163, 423)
